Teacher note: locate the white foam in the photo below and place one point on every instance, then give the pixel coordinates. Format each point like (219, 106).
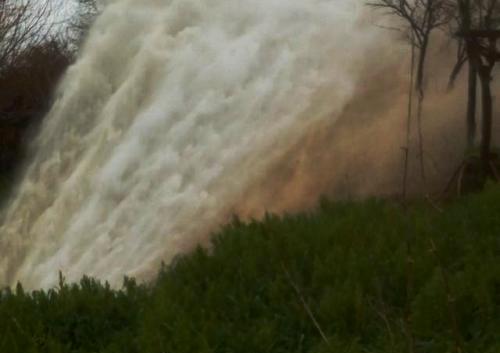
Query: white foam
(171, 111)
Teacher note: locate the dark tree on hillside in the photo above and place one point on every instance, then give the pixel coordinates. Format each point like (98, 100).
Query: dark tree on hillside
(32, 59)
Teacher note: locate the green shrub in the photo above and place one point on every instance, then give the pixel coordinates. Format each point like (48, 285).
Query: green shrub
(334, 280)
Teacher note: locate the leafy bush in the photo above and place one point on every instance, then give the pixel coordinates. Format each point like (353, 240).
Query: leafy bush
(344, 278)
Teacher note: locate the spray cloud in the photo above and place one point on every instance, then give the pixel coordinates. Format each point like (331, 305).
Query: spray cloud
(173, 112)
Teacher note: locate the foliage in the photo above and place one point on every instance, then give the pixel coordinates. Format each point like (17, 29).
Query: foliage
(347, 262)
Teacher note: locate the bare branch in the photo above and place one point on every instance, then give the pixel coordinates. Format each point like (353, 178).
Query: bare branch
(23, 24)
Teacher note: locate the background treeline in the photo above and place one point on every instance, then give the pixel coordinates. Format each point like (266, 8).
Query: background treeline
(335, 280)
(38, 41)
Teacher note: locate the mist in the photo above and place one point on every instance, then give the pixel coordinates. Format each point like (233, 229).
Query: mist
(179, 114)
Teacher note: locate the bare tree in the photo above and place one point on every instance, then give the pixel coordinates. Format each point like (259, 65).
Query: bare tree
(419, 19)
(23, 25)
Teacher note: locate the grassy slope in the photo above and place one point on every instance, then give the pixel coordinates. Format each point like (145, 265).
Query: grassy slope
(346, 261)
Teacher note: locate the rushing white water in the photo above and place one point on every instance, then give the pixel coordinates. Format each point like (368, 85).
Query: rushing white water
(172, 110)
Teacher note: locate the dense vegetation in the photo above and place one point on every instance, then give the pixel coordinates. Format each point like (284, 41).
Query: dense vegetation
(334, 280)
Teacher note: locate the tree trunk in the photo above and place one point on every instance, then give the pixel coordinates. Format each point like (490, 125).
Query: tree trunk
(422, 55)
(471, 106)
(487, 102)
(421, 91)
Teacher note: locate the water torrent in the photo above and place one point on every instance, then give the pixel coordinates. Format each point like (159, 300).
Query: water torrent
(171, 112)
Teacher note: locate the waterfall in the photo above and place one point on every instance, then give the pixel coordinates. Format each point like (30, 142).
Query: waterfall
(172, 110)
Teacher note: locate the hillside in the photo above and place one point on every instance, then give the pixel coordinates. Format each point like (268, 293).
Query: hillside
(334, 280)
